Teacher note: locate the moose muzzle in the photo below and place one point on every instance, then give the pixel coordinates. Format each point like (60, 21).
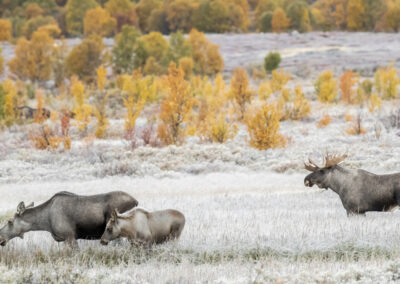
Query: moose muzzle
(308, 183)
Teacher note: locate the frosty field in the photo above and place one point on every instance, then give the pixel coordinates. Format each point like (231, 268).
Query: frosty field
(249, 217)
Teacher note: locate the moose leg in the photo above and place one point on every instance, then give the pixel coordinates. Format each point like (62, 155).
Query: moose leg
(72, 243)
(176, 230)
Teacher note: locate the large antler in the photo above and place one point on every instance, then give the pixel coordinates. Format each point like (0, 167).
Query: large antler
(333, 159)
(311, 166)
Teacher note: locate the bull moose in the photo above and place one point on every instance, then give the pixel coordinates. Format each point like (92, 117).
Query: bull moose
(360, 191)
(144, 228)
(67, 216)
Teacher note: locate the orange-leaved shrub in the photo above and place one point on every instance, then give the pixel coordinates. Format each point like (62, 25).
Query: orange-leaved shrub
(356, 127)
(324, 121)
(240, 91)
(45, 138)
(39, 115)
(347, 83)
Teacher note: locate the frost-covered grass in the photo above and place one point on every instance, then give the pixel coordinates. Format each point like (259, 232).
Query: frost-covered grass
(249, 216)
(240, 228)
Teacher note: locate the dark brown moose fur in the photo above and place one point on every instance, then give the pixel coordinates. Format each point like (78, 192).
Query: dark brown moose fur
(360, 191)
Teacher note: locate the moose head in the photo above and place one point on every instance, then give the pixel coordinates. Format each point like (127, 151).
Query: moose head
(15, 227)
(321, 175)
(112, 230)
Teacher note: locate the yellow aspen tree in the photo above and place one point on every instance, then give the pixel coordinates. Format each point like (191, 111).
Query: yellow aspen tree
(175, 108)
(264, 91)
(33, 59)
(135, 93)
(279, 80)
(301, 106)
(355, 15)
(206, 57)
(387, 81)
(326, 87)
(10, 102)
(239, 90)
(99, 22)
(212, 100)
(294, 107)
(39, 116)
(391, 18)
(101, 99)
(263, 126)
(52, 30)
(82, 110)
(186, 64)
(220, 129)
(374, 103)
(280, 22)
(5, 30)
(339, 16)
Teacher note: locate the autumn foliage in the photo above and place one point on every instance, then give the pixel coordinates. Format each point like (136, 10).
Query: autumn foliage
(99, 22)
(33, 59)
(5, 30)
(347, 83)
(175, 107)
(240, 91)
(263, 126)
(206, 57)
(85, 58)
(82, 110)
(387, 81)
(326, 87)
(280, 21)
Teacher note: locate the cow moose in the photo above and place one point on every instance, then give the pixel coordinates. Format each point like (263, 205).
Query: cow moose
(68, 216)
(144, 228)
(360, 191)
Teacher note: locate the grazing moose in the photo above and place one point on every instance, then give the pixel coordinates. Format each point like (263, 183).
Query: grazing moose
(359, 190)
(67, 216)
(26, 112)
(144, 228)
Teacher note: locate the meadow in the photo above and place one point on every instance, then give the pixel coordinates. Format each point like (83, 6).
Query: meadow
(249, 217)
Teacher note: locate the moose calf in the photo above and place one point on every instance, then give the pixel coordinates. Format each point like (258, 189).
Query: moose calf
(144, 228)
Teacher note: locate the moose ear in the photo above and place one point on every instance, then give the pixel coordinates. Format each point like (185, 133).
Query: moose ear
(114, 215)
(21, 208)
